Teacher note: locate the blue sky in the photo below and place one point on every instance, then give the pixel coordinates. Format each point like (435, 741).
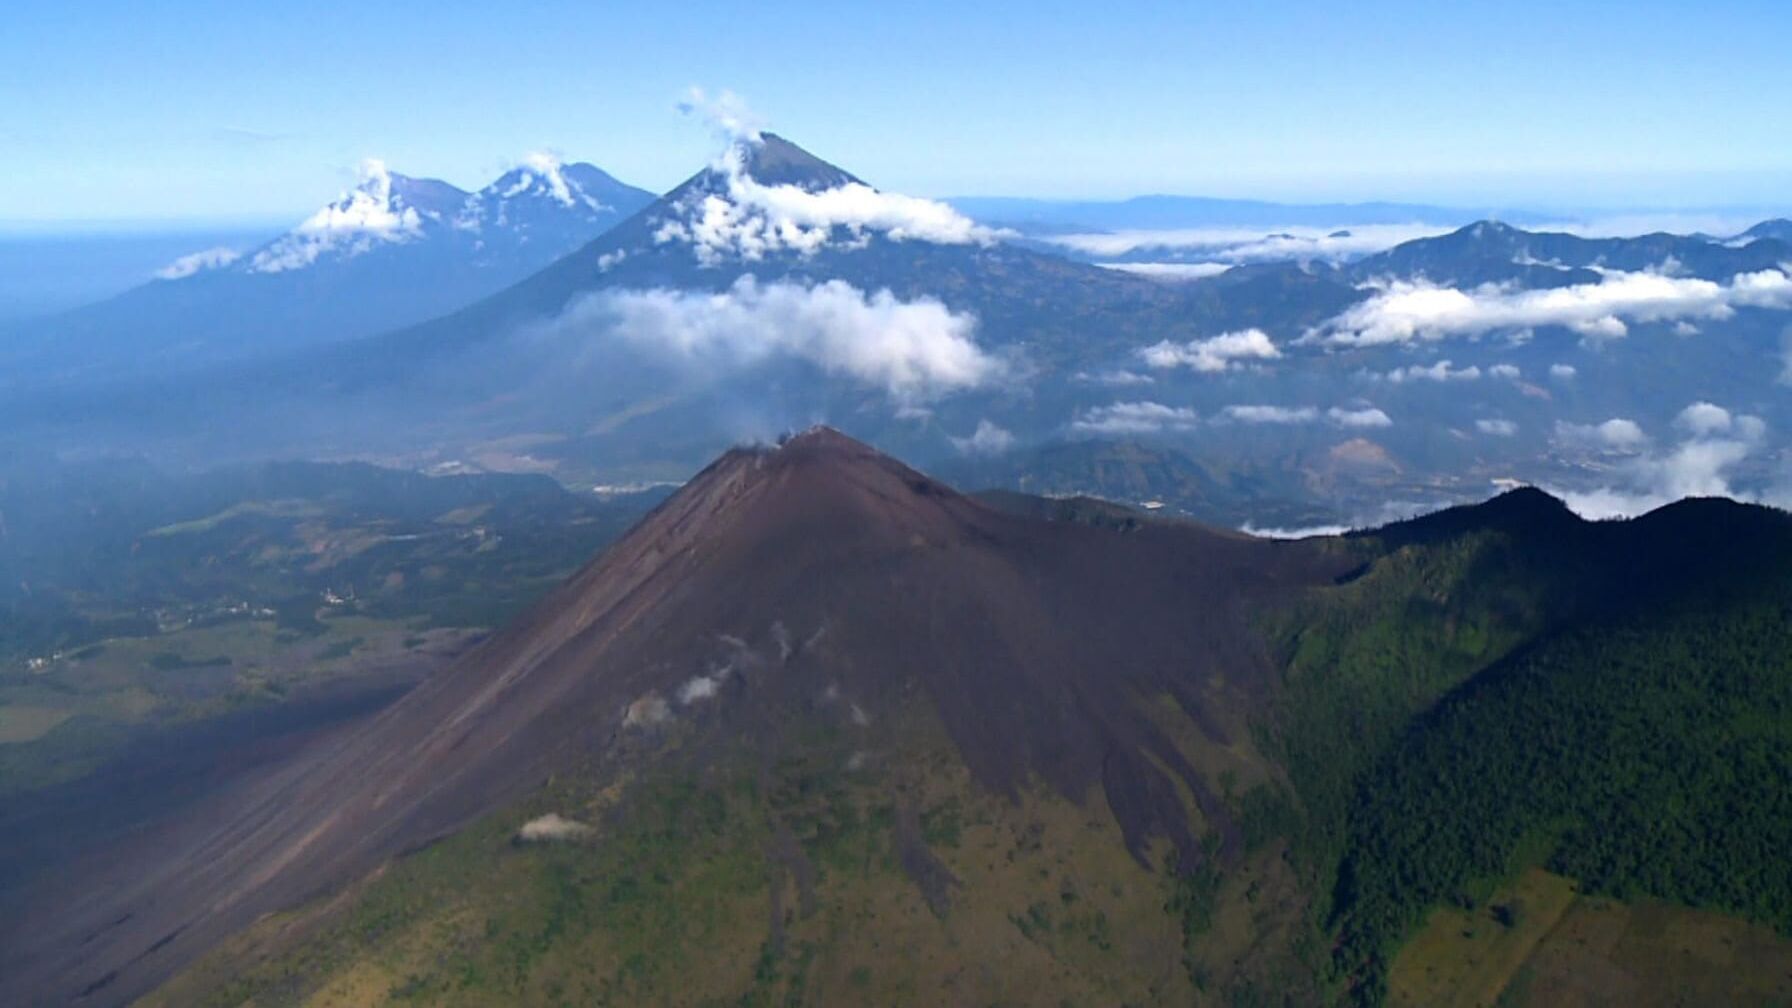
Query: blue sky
(214, 112)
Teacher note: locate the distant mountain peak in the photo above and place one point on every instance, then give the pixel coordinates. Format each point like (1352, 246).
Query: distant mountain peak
(772, 160)
(385, 207)
(542, 175)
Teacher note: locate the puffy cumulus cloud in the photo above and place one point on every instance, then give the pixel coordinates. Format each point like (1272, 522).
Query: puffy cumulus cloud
(1509, 372)
(1215, 353)
(1497, 428)
(370, 214)
(1234, 245)
(1142, 417)
(749, 220)
(198, 262)
(1617, 435)
(987, 439)
(1402, 311)
(1699, 465)
(1170, 270)
(915, 350)
(1703, 418)
(1562, 372)
(1359, 418)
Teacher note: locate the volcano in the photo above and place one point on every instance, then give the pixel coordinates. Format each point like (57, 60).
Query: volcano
(815, 585)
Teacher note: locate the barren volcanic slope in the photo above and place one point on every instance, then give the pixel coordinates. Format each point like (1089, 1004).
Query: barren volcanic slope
(815, 591)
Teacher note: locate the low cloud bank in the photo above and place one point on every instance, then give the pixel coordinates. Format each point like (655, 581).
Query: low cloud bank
(1170, 270)
(1402, 311)
(1213, 354)
(1713, 442)
(1364, 418)
(913, 350)
(1233, 245)
(1142, 417)
(1146, 417)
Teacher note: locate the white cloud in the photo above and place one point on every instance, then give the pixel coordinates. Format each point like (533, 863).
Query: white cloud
(1170, 270)
(1698, 466)
(749, 220)
(915, 350)
(1402, 311)
(987, 439)
(1359, 418)
(1362, 418)
(1135, 418)
(1703, 418)
(1215, 353)
(1234, 245)
(1303, 532)
(1497, 428)
(1118, 377)
(197, 262)
(1562, 372)
(1442, 371)
(725, 112)
(363, 218)
(1272, 414)
(543, 167)
(1617, 434)
(1509, 372)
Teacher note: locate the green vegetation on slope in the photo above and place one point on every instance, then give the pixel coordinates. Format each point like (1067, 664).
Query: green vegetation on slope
(1646, 758)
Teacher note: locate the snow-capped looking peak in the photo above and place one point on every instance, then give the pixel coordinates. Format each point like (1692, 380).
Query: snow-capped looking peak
(766, 195)
(546, 168)
(375, 211)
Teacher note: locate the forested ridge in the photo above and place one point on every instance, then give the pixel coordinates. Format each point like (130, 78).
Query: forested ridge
(1507, 685)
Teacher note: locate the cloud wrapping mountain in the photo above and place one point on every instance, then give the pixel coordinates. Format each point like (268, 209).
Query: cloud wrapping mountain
(1402, 311)
(367, 215)
(750, 220)
(914, 350)
(198, 262)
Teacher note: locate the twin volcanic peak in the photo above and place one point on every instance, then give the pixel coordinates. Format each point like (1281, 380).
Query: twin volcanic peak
(542, 201)
(391, 252)
(815, 586)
